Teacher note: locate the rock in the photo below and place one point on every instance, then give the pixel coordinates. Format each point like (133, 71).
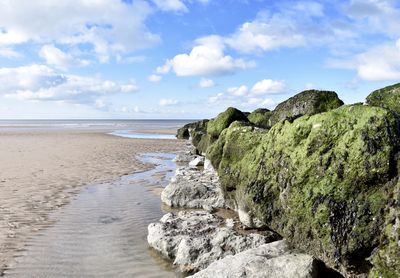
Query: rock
(184, 157)
(305, 103)
(195, 239)
(192, 188)
(323, 182)
(183, 132)
(188, 130)
(272, 260)
(388, 97)
(198, 161)
(260, 117)
(386, 261)
(223, 120)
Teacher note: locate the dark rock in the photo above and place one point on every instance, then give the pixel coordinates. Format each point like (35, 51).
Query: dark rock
(305, 103)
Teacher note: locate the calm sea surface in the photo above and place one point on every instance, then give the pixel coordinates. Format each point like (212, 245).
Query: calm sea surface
(147, 129)
(93, 124)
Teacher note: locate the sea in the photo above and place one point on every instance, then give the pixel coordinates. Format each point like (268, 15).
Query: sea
(141, 129)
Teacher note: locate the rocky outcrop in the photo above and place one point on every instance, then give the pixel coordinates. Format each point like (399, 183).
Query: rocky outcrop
(192, 187)
(388, 97)
(272, 260)
(321, 181)
(305, 103)
(195, 239)
(327, 182)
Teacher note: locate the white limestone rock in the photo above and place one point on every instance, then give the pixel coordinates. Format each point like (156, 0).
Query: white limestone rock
(272, 260)
(195, 239)
(193, 188)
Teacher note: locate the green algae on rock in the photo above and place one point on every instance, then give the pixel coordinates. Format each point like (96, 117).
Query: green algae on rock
(308, 102)
(388, 97)
(321, 181)
(260, 117)
(386, 260)
(223, 120)
(327, 178)
(189, 129)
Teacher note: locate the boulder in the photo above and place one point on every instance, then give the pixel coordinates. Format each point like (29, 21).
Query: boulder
(272, 260)
(388, 97)
(305, 103)
(191, 129)
(193, 188)
(195, 239)
(323, 181)
(260, 117)
(223, 120)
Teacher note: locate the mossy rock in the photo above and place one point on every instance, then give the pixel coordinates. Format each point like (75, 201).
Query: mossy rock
(388, 97)
(183, 132)
(260, 117)
(321, 181)
(223, 120)
(191, 129)
(308, 102)
(386, 260)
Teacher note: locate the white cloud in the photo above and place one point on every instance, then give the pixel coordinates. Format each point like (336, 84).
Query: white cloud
(164, 69)
(206, 83)
(268, 86)
(260, 102)
(168, 102)
(155, 78)
(58, 58)
(177, 5)
(42, 83)
(246, 99)
(214, 99)
(100, 103)
(238, 91)
(8, 52)
(379, 63)
(207, 58)
(380, 16)
(276, 33)
(119, 30)
(171, 5)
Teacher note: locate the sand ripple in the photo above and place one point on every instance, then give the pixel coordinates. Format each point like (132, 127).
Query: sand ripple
(102, 232)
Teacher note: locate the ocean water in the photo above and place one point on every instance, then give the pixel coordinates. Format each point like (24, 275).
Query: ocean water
(142, 129)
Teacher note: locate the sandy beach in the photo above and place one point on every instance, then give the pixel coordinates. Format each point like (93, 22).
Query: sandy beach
(41, 171)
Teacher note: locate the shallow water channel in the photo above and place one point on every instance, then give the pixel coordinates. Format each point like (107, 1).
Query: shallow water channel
(102, 231)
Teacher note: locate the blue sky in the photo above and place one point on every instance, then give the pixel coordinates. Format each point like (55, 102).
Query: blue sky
(189, 58)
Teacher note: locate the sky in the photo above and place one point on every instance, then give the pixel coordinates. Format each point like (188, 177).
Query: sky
(188, 59)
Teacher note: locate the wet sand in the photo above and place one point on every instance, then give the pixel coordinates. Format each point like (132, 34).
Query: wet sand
(41, 171)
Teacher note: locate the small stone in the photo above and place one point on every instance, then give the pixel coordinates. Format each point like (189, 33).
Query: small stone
(198, 161)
